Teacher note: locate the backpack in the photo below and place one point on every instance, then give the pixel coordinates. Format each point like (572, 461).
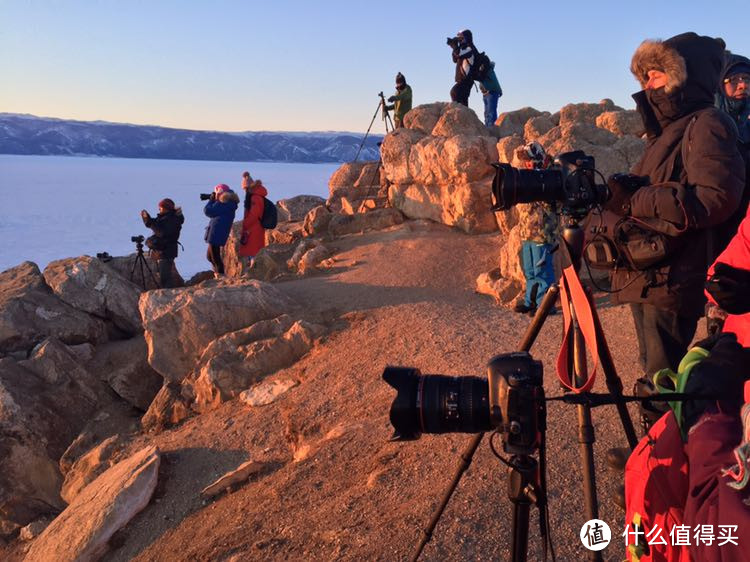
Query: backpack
(482, 66)
(270, 217)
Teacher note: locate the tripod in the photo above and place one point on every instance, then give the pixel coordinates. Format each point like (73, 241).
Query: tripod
(141, 262)
(385, 115)
(526, 479)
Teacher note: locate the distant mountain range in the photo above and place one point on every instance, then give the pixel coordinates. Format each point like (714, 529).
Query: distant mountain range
(28, 134)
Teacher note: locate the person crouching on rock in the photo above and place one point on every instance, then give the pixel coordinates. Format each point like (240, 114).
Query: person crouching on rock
(253, 234)
(221, 208)
(163, 244)
(538, 224)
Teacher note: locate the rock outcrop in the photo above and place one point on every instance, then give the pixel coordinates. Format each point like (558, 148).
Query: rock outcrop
(444, 175)
(83, 529)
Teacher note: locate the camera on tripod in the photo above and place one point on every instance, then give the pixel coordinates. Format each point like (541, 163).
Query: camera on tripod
(138, 239)
(571, 181)
(509, 400)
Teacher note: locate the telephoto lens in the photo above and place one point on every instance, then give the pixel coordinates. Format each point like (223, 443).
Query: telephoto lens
(436, 403)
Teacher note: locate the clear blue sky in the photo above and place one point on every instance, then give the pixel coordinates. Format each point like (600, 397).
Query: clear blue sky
(318, 65)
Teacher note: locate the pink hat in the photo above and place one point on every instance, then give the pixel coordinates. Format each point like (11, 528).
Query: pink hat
(221, 188)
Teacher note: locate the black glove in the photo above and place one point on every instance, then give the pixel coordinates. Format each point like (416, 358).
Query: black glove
(392, 98)
(729, 288)
(721, 376)
(621, 189)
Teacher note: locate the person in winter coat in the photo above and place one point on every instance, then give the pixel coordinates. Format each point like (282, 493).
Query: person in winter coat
(538, 227)
(221, 208)
(163, 244)
(696, 177)
(401, 101)
(464, 55)
(253, 234)
(491, 92)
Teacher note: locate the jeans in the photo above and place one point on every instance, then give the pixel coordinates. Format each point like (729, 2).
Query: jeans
(490, 108)
(663, 337)
(538, 269)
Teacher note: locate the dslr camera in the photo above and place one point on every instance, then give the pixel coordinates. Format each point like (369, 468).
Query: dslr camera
(137, 239)
(510, 400)
(206, 196)
(570, 181)
(452, 42)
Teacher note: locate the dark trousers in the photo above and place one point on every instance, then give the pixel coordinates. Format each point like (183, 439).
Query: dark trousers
(165, 272)
(214, 256)
(663, 337)
(461, 90)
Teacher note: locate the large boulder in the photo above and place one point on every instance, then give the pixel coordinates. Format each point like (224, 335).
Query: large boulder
(537, 126)
(87, 284)
(235, 361)
(423, 118)
(88, 466)
(377, 219)
(506, 148)
(624, 122)
(513, 122)
(366, 183)
(286, 232)
(31, 312)
(180, 323)
(586, 112)
(316, 221)
(457, 119)
(124, 365)
(102, 508)
(295, 208)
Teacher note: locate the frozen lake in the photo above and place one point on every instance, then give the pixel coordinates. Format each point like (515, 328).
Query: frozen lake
(55, 207)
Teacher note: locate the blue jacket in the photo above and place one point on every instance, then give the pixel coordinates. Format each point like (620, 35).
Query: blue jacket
(221, 211)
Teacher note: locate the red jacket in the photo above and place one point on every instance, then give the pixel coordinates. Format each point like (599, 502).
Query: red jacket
(737, 254)
(253, 233)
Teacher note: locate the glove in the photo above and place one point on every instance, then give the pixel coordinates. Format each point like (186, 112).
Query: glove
(729, 288)
(144, 214)
(392, 99)
(721, 376)
(621, 189)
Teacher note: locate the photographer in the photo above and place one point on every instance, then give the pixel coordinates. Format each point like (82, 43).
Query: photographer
(221, 208)
(163, 244)
(253, 236)
(464, 53)
(695, 179)
(401, 101)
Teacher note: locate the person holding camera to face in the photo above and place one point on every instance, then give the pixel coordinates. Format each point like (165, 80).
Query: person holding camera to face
(221, 208)
(464, 55)
(401, 101)
(166, 225)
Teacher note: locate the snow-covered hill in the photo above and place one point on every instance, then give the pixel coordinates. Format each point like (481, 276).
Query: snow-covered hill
(28, 134)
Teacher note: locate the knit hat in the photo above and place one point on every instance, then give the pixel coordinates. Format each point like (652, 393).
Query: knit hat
(400, 79)
(221, 188)
(247, 180)
(167, 204)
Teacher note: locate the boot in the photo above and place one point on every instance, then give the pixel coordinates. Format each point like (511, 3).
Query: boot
(522, 308)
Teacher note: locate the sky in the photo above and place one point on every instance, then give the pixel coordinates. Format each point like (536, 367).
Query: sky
(288, 65)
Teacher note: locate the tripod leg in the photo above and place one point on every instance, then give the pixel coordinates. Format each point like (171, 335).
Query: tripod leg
(541, 315)
(614, 383)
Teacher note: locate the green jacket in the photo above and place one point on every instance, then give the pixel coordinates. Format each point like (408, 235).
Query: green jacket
(401, 103)
(491, 84)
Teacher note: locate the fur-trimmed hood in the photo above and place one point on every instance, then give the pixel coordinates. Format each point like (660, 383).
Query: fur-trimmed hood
(691, 62)
(229, 197)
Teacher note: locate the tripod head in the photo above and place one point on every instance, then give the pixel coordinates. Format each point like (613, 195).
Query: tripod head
(138, 243)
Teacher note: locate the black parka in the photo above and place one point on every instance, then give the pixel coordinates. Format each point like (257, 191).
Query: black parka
(693, 188)
(166, 226)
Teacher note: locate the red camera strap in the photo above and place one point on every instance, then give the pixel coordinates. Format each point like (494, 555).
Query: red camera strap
(573, 295)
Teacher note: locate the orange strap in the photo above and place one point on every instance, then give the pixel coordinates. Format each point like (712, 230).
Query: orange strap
(573, 294)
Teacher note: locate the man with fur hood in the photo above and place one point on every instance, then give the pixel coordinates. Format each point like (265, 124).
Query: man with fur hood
(696, 177)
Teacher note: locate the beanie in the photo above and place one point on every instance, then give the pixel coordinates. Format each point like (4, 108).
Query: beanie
(167, 204)
(400, 79)
(247, 180)
(221, 188)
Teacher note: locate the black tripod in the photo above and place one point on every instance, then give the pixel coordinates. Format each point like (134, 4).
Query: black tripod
(526, 479)
(141, 262)
(385, 115)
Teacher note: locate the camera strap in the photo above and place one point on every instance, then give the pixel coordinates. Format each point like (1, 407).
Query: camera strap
(573, 297)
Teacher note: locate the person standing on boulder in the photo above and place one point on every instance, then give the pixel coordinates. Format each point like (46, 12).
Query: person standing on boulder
(538, 229)
(253, 234)
(221, 208)
(464, 55)
(401, 101)
(163, 244)
(491, 92)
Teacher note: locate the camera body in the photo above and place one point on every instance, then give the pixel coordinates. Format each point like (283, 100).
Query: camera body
(510, 400)
(452, 42)
(571, 181)
(206, 196)
(138, 239)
